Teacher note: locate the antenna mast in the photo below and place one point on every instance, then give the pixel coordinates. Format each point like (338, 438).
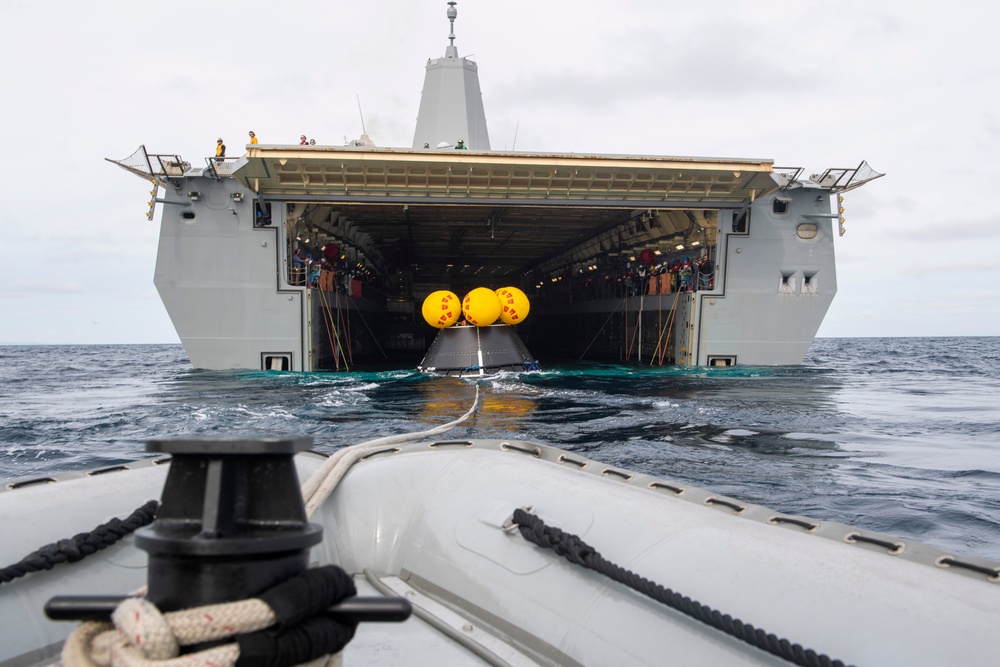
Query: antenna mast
(452, 13)
(363, 130)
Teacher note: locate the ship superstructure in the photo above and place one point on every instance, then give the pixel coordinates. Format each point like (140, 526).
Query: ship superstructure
(316, 257)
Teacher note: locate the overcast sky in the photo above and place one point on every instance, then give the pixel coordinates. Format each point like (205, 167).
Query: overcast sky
(910, 86)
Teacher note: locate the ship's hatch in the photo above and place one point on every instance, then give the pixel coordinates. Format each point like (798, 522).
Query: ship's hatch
(466, 218)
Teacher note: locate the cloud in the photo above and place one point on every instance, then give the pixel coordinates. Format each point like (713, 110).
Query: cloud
(41, 288)
(953, 265)
(957, 226)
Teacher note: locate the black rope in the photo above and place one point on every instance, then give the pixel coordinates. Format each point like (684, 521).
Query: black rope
(80, 546)
(575, 550)
(303, 631)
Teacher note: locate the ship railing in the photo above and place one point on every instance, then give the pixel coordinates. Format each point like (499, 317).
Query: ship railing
(786, 176)
(221, 166)
(297, 275)
(151, 166)
(170, 165)
(599, 290)
(841, 179)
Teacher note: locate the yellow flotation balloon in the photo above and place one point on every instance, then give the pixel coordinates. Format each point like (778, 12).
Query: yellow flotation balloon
(481, 307)
(441, 309)
(514, 305)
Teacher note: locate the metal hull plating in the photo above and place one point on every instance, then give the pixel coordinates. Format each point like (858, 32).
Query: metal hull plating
(774, 288)
(218, 276)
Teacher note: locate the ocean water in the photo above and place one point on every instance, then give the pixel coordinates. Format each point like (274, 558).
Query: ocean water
(897, 435)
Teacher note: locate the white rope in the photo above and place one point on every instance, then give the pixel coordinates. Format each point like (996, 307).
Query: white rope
(321, 484)
(142, 636)
(141, 642)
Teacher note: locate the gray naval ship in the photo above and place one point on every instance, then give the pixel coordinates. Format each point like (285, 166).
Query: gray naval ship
(306, 258)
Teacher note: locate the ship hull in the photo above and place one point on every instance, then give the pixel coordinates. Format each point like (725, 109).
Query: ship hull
(240, 299)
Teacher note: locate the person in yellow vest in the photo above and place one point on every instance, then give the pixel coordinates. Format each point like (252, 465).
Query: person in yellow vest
(253, 137)
(220, 149)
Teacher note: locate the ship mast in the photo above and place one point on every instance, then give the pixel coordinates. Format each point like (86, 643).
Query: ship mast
(451, 104)
(452, 52)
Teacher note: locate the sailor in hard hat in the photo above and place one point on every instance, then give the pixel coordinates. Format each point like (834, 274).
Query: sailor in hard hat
(220, 148)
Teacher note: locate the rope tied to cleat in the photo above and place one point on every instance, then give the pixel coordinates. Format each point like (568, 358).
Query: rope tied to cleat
(287, 625)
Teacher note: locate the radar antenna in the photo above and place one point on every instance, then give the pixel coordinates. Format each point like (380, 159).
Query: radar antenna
(452, 14)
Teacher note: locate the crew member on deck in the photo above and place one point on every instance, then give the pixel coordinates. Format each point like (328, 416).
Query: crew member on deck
(253, 137)
(220, 149)
(303, 141)
(460, 146)
(300, 261)
(706, 271)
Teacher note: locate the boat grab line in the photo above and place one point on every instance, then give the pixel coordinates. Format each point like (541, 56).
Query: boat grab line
(387, 450)
(565, 459)
(677, 490)
(809, 526)
(533, 451)
(451, 443)
(736, 507)
(894, 548)
(31, 482)
(101, 471)
(992, 573)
